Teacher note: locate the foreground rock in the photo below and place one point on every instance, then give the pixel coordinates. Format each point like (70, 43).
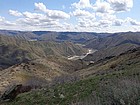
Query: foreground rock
(12, 92)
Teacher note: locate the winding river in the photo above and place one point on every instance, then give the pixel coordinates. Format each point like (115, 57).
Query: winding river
(75, 57)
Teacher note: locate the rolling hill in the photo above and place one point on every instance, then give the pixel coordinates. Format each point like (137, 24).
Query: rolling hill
(109, 76)
(113, 45)
(16, 50)
(23, 61)
(109, 81)
(38, 72)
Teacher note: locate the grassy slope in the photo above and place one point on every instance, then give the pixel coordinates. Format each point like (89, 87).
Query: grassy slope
(50, 59)
(119, 85)
(42, 49)
(16, 50)
(38, 72)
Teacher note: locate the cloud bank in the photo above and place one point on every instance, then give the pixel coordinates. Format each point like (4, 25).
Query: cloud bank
(100, 16)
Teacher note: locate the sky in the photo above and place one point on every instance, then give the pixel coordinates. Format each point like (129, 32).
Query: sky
(70, 15)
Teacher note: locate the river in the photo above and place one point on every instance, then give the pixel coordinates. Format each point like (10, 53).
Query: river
(75, 57)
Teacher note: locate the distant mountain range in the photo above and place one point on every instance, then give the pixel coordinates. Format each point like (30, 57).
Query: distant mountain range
(77, 37)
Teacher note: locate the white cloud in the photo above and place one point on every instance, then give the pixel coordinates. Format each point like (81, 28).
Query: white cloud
(8, 23)
(55, 14)
(121, 5)
(106, 20)
(87, 22)
(40, 6)
(112, 6)
(35, 16)
(4, 22)
(132, 21)
(68, 27)
(2, 19)
(36, 24)
(85, 16)
(83, 22)
(102, 7)
(50, 19)
(118, 22)
(106, 16)
(15, 13)
(27, 21)
(83, 13)
(105, 23)
(82, 4)
(36, 20)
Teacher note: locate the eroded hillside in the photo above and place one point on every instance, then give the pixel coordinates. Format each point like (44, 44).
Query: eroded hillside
(110, 81)
(113, 61)
(113, 45)
(16, 50)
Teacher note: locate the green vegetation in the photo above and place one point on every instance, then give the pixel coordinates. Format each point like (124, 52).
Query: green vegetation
(119, 86)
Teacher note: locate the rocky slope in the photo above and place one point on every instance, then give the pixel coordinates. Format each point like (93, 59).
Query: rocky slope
(38, 72)
(110, 81)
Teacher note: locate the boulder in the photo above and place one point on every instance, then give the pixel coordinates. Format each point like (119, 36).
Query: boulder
(11, 93)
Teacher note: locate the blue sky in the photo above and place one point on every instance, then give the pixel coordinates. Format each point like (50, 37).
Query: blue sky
(70, 15)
